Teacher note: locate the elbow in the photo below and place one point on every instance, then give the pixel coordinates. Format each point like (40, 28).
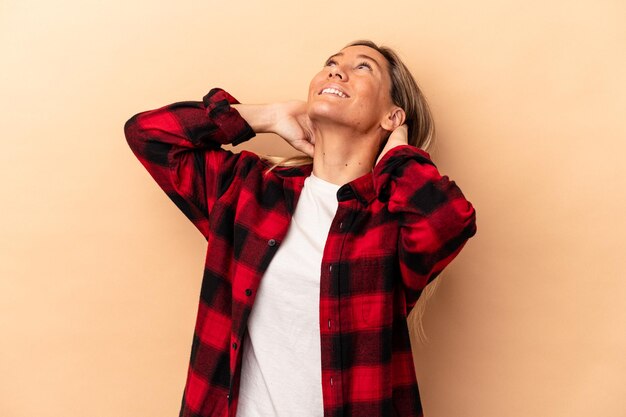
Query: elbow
(461, 209)
(468, 220)
(132, 131)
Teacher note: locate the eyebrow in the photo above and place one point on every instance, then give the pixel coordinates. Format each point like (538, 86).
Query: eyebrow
(358, 56)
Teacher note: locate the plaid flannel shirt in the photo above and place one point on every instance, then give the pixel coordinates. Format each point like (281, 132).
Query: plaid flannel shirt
(396, 228)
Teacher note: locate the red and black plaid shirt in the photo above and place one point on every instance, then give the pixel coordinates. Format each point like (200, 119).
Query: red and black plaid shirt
(396, 228)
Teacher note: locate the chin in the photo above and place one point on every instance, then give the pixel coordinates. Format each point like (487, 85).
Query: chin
(324, 110)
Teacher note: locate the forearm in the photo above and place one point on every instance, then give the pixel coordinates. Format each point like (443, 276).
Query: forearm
(180, 146)
(287, 119)
(188, 124)
(261, 117)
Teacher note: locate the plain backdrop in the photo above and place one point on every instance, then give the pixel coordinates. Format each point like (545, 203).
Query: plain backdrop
(100, 273)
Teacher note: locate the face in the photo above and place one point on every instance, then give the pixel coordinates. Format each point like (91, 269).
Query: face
(352, 89)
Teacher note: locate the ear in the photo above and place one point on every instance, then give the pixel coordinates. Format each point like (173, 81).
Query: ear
(394, 118)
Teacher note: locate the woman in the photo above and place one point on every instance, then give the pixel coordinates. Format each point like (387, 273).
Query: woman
(333, 250)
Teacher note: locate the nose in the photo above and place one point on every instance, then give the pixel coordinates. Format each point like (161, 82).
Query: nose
(335, 71)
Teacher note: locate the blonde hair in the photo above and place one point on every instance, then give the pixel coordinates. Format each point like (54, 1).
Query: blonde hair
(405, 94)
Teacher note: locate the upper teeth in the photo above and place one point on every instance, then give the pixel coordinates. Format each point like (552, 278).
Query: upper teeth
(333, 91)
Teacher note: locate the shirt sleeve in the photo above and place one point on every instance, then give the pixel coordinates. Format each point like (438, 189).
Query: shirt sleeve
(180, 146)
(435, 218)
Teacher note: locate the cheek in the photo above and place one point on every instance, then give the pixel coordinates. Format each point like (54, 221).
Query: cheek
(316, 83)
(370, 99)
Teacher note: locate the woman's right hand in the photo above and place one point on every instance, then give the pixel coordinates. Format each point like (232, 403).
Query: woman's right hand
(292, 123)
(287, 119)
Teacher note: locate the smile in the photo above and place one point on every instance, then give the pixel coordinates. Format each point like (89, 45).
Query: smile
(334, 91)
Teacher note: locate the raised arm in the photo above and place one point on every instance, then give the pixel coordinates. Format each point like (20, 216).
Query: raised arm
(436, 219)
(180, 146)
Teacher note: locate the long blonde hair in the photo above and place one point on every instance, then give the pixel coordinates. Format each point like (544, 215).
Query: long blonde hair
(406, 94)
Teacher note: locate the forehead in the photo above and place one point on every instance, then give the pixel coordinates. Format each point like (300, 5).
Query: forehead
(362, 51)
(365, 50)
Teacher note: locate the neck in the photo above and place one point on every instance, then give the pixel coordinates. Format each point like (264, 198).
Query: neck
(342, 155)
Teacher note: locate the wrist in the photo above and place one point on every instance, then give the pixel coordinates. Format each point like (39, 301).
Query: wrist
(260, 117)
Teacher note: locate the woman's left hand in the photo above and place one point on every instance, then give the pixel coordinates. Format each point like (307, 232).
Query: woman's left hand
(400, 136)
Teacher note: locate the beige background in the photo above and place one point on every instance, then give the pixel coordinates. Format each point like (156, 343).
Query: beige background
(100, 272)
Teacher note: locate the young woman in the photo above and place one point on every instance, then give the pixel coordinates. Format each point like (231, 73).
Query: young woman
(314, 263)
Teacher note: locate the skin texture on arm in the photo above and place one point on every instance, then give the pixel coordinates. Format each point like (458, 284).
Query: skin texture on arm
(286, 119)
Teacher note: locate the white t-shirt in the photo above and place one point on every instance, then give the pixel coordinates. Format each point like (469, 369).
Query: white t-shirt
(281, 372)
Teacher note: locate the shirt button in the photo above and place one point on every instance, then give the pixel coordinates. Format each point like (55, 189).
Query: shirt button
(341, 226)
(227, 395)
(331, 381)
(330, 268)
(234, 345)
(248, 292)
(329, 323)
(271, 242)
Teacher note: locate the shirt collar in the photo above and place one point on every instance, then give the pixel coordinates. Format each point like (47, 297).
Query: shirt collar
(361, 188)
(368, 186)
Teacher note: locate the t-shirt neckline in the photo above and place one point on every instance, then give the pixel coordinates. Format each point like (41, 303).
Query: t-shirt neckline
(321, 183)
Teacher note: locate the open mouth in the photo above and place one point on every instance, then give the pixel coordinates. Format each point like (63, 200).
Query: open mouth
(334, 91)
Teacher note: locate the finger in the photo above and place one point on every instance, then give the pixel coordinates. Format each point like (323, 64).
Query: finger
(307, 148)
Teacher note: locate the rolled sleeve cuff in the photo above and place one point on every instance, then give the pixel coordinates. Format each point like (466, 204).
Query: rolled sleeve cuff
(232, 128)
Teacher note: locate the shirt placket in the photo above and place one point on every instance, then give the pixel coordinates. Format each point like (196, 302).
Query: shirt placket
(269, 248)
(330, 308)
